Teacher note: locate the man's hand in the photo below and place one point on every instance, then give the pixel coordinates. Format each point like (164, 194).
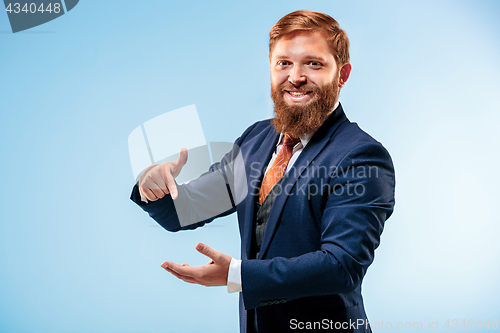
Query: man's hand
(158, 179)
(212, 274)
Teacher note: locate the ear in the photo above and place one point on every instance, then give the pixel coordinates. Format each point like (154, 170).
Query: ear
(345, 71)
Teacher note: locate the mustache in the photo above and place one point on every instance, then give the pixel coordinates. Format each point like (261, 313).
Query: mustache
(305, 87)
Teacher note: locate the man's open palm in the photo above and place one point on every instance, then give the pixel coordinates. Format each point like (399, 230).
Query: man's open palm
(212, 274)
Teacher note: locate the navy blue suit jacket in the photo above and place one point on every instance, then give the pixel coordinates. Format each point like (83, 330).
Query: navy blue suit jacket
(322, 231)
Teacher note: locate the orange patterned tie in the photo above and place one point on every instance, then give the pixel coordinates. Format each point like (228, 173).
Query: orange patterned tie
(278, 168)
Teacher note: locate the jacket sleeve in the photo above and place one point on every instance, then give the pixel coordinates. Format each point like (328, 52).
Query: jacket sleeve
(356, 206)
(164, 212)
(213, 194)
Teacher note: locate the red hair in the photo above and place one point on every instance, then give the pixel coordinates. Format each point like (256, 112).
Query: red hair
(307, 20)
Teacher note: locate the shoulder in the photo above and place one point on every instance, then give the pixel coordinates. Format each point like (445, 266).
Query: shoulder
(259, 126)
(352, 140)
(256, 129)
(357, 158)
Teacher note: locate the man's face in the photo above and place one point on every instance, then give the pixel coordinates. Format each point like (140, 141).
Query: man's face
(304, 82)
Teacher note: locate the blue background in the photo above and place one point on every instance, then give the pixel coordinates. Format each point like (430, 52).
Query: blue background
(76, 255)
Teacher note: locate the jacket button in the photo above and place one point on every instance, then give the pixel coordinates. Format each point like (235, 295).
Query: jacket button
(283, 301)
(263, 303)
(260, 221)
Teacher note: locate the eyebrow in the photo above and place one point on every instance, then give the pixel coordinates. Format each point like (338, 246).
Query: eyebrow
(309, 57)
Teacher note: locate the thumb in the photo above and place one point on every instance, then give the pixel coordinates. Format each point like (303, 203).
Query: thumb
(208, 251)
(183, 156)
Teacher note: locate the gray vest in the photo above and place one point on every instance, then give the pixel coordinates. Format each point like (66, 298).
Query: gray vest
(258, 230)
(261, 218)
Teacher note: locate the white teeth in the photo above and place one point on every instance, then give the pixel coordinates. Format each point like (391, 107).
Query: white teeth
(297, 93)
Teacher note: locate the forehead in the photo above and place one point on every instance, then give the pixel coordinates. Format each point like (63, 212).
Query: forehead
(299, 43)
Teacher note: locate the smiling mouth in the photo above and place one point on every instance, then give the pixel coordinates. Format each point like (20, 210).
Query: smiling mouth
(298, 93)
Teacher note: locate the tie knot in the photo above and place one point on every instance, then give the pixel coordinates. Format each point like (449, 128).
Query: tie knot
(289, 141)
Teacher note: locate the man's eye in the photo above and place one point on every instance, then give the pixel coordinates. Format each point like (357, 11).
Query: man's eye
(283, 63)
(314, 63)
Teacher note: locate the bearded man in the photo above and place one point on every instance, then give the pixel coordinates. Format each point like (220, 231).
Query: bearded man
(317, 192)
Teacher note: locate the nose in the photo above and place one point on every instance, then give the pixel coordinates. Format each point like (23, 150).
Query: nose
(297, 76)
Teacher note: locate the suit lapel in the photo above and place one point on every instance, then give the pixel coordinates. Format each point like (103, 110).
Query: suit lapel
(261, 152)
(313, 148)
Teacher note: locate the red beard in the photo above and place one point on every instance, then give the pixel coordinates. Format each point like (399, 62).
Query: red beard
(298, 120)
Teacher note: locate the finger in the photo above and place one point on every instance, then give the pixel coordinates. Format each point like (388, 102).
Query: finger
(176, 167)
(145, 173)
(171, 185)
(164, 174)
(182, 159)
(182, 270)
(157, 178)
(155, 189)
(182, 277)
(208, 251)
(149, 195)
(143, 197)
